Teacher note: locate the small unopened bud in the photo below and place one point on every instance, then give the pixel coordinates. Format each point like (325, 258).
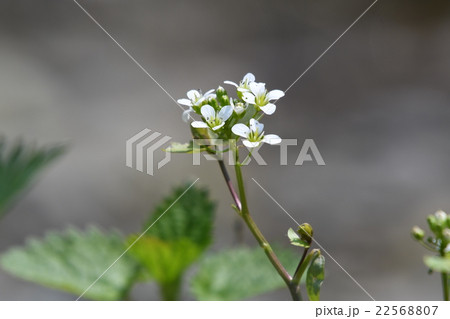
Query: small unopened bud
(437, 222)
(220, 91)
(441, 217)
(224, 100)
(213, 102)
(306, 232)
(432, 223)
(446, 234)
(239, 108)
(417, 233)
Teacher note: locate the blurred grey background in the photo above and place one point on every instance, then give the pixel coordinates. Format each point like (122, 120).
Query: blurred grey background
(377, 106)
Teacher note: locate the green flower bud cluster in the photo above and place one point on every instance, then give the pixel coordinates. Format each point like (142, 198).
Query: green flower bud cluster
(439, 241)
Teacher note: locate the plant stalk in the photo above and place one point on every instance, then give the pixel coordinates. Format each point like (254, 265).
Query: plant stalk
(230, 184)
(170, 291)
(444, 275)
(262, 241)
(241, 204)
(445, 287)
(297, 275)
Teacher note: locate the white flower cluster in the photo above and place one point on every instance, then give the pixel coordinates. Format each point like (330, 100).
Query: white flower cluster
(227, 117)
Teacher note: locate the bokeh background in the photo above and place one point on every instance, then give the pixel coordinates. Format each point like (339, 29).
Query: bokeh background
(377, 106)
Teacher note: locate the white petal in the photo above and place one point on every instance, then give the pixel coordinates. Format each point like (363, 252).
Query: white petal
(199, 124)
(225, 113)
(231, 83)
(258, 89)
(241, 89)
(250, 144)
(208, 112)
(215, 128)
(249, 77)
(248, 97)
(186, 115)
(193, 94)
(272, 139)
(253, 125)
(239, 110)
(275, 95)
(208, 93)
(240, 129)
(199, 101)
(185, 102)
(268, 108)
(259, 126)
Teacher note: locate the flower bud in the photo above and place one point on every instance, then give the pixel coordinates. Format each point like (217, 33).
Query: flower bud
(239, 108)
(432, 223)
(417, 233)
(224, 100)
(222, 96)
(213, 102)
(446, 234)
(220, 91)
(437, 222)
(441, 217)
(306, 232)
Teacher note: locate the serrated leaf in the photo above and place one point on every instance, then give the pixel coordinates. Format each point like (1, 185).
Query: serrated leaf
(239, 274)
(315, 277)
(185, 217)
(164, 260)
(19, 164)
(72, 261)
(438, 264)
(296, 240)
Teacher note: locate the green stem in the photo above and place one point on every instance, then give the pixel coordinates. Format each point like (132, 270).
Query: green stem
(444, 275)
(445, 286)
(244, 162)
(427, 246)
(230, 184)
(245, 214)
(170, 291)
(303, 265)
(296, 278)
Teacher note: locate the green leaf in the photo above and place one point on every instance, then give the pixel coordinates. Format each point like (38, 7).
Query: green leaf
(438, 264)
(18, 166)
(292, 234)
(72, 261)
(194, 146)
(315, 277)
(296, 240)
(165, 261)
(239, 274)
(176, 147)
(185, 217)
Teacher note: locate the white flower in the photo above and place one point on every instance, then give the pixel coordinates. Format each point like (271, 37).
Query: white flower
(254, 134)
(239, 107)
(214, 120)
(243, 85)
(195, 98)
(261, 98)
